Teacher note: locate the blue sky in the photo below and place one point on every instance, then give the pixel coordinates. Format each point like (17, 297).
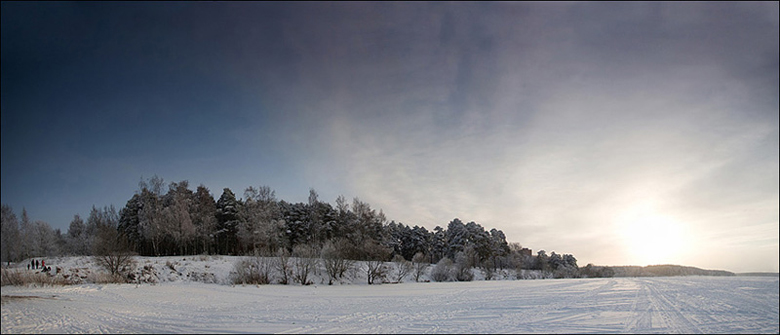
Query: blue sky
(623, 133)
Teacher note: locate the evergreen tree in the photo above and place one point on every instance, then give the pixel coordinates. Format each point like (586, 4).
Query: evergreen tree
(77, 237)
(129, 223)
(438, 244)
(227, 215)
(296, 223)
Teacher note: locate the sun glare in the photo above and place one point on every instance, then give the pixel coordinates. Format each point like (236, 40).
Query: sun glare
(651, 238)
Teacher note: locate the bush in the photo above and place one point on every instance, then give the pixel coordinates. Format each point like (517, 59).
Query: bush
(335, 262)
(374, 255)
(443, 270)
(463, 267)
(112, 252)
(565, 272)
(420, 265)
(488, 269)
(118, 264)
(532, 274)
(282, 266)
(402, 268)
(305, 262)
(375, 270)
(254, 270)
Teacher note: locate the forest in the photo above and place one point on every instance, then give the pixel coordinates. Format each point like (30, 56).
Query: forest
(172, 219)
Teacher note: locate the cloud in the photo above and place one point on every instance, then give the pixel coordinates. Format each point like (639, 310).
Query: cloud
(548, 121)
(490, 113)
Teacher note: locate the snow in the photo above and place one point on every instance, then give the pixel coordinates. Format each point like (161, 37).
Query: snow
(179, 303)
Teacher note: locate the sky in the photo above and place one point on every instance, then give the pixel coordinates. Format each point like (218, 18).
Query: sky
(622, 133)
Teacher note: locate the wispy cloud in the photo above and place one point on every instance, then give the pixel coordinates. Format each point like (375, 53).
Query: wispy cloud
(548, 121)
(547, 129)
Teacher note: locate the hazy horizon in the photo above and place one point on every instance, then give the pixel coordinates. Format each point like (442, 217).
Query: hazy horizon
(621, 133)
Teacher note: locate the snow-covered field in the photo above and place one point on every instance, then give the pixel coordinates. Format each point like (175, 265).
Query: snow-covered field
(177, 304)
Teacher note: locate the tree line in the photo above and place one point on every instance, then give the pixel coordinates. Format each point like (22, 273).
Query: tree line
(172, 219)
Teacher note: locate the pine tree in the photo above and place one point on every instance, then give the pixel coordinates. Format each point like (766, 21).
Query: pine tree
(129, 223)
(227, 222)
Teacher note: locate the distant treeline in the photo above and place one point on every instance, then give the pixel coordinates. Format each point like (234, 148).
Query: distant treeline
(665, 271)
(759, 274)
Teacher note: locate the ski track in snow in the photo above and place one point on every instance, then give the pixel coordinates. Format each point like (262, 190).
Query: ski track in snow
(608, 305)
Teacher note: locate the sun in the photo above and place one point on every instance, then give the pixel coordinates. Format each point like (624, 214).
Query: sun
(652, 238)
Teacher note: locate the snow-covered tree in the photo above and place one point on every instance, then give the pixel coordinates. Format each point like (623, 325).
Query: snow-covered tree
(297, 226)
(418, 241)
(305, 262)
(177, 219)
(261, 223)
(316, 216)
(402, 268)
(457, 237)
(227, 222)
(368, 224)
(10, 235)
(26, 236)
(98, 219)
(334, 258)
(203, 213)
(375, 255)
(150, 216)
(44, 240)
(77, 237)
(130, 223)
(438, 245)
(443, 270)
(540, 261)
(283, 266)
(463, 264)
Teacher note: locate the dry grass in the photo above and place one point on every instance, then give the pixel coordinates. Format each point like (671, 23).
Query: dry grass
(20, 277)
(105, 278)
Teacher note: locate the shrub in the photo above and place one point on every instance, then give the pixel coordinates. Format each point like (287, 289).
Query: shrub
(118, 264)
(443, 270)
(463, 267)
(402, 268)
(254, 270)
(420, 265)
(282, 266)
(335, 261)
(374, 255)
(305, 262)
